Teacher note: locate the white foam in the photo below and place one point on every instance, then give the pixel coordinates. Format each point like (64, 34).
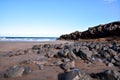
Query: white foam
(27, 39)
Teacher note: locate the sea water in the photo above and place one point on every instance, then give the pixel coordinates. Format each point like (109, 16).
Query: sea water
(28, 38)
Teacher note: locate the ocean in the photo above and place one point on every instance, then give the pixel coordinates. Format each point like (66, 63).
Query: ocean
(28, 38)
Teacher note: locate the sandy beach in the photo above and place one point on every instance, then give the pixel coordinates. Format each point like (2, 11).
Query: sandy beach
(59, 40)
(11, 45)
(6, 61)
(50, 71)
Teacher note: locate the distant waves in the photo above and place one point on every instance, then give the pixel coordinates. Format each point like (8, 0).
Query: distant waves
(28, 38)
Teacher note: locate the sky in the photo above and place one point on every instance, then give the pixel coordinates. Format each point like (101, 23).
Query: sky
(52, 18)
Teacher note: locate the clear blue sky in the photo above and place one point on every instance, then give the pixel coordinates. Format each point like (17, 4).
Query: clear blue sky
(54, 17)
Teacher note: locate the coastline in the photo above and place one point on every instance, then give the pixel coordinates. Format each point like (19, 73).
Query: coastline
(12, 45)
(7, 60)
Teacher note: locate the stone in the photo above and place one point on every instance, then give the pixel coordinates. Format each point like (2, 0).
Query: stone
(51, 53)
(14, 71)
(27, 70)
(76, 74)
(58, 46)
(41, 51)
(48, 46)
(11, 53)
(68, 65)
(71, 55)
(41, 61)
(112, 52)
(41, 67)
(16, 53)
(110, 64)
(94, 52)
(58, 62)
(105, 55)
(66, 60)
(36, 47)
(85, 54)
(117, 64)
(29, 51)
(117, 57)
(63, 52)
(20, 52)
(107, 75)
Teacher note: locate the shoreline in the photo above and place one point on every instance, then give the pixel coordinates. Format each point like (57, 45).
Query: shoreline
(28, 54)
(12, 45)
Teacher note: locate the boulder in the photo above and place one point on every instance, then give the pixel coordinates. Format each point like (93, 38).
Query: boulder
(27, 70)
(68, 65)
(48, 46)
(117, 57)
(16, 52)
(58, 46)
(63, 52)
(67, 53)
(117, 64)
(57, 62)
(41, 67)
(71, 55)
(84, 53)
(51, 53)
(107, 75)
(112, 52)
(76, 74)
(20, 52)
(41, 61)
(36, 47)
(29, 51)
(14, 71)
(105, 56)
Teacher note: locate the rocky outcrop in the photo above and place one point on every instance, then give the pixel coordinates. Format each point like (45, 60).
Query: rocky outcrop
(65, 56)
(100, 31)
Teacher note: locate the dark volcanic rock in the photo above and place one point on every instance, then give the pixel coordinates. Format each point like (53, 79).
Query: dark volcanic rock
(100, 31)
(117, 57)
(36, 47)
(51, 53)
(68, 65)
(58, 46)
(117, 64)
(107, 75)
(27, 70)
(67, 53)
(76, 74)
(85, 53)
(15, 71)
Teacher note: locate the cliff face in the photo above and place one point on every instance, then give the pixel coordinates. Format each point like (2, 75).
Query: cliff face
(100, 31)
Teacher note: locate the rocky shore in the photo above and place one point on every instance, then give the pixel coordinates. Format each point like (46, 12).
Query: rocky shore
(62, 61)
(93, 54)
(107, 31)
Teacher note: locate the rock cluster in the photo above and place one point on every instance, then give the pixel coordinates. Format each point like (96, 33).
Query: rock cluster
(65, 55)
(76, 74)
(100, 31)
(107, 75)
